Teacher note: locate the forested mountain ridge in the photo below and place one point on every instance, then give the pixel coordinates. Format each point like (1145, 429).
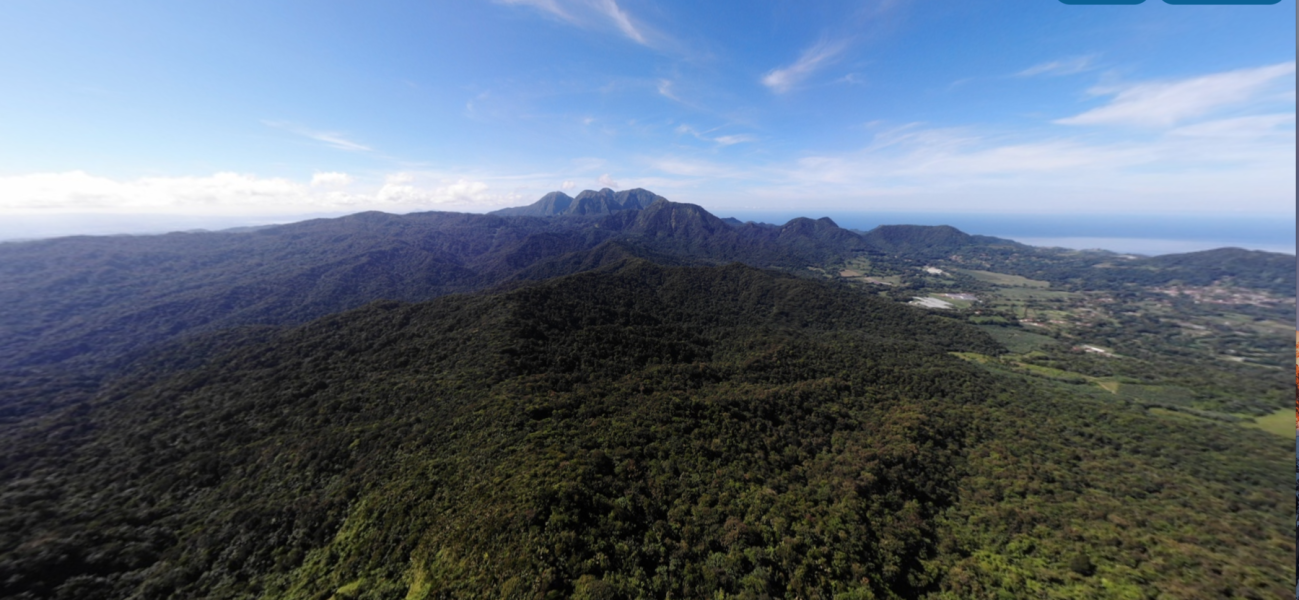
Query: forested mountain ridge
(632, 431)
(689, 230)
(922, 241)
(1250, 268)
(74, 307)
(74, 300)
(69, 297)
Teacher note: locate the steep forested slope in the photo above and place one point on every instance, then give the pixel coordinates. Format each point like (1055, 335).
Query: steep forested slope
(637, 431)
(68, 297)
(76, 309)
(688, 230)
(73, 298)
(83, 303)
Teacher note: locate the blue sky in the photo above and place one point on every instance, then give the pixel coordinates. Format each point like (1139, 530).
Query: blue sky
(295, 108)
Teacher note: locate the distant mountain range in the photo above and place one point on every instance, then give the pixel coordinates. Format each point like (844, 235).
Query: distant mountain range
(128, 291)
(73, 299)
(616, 396)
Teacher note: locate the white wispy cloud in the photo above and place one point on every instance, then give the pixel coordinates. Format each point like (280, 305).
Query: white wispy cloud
(619, 17)
(241, 193)
(551, 7)
(958, 83)
(721, 140)
(851, 79)
(405, 189)
(1240, 164)
(690, 167)
(607, 181)
(1166, 103)
(78, 190)
(330, 179)
(665, 89)
(956, 154)
(1243, 128)
(729, 140)
(1248, 161)
(1066, 66)
(813, 59)
(590, 14)
(587, 163)
(332, 139)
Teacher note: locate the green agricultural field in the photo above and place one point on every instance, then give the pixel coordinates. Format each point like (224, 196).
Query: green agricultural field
(1250, 324)
(1021, 294)
(1016, 339)
(991, 320)
(1176, 415)
(1109, 386)
(1003, 279)
(885, 280)
(861, 270)
(859, 263)
(1163, 394)
(1278, 422)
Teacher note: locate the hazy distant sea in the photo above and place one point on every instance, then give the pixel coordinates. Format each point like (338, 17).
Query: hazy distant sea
(28, 227)
(1137, 234)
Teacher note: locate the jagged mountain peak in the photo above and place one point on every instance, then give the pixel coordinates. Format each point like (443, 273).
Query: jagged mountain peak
(603, 193)
(588, 202)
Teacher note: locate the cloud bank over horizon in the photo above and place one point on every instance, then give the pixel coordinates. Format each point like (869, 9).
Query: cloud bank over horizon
(481, 105)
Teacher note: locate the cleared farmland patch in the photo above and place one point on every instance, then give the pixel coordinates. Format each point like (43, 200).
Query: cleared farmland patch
(1017, 340)
(1160, 394)
(1003, 279)
(1277, 423)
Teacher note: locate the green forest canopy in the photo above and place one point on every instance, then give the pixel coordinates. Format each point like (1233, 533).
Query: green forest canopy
(634, 432)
